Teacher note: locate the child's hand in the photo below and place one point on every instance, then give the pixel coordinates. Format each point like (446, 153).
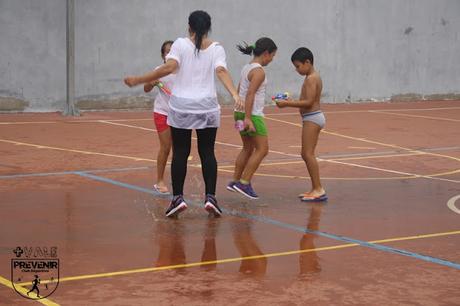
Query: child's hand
(281, 103)
(239, 105)
(248, 125)
(148, 87)
(131, 81)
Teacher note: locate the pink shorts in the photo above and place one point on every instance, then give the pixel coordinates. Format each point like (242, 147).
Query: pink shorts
(160, 122)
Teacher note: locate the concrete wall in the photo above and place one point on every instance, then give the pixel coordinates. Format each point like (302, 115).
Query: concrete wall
(365, 50)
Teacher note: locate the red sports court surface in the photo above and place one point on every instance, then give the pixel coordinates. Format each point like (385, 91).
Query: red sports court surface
(389, 234)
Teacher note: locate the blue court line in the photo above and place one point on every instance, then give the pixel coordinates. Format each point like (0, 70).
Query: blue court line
(13, 176)
(292, 227)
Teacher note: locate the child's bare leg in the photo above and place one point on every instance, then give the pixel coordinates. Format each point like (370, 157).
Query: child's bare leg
(310, 133)
(162, 158)
(260, 151)
(243, 157)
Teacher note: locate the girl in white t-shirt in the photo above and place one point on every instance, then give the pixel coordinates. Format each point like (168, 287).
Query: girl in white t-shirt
(160, 116)
(254, 135)
(196, 60)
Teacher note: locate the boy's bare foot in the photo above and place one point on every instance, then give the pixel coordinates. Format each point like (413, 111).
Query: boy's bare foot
(315, 196)
(312, 193)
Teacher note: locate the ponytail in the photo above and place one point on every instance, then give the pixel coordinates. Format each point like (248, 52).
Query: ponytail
(200, 25)
(246, 49)
(262, 44)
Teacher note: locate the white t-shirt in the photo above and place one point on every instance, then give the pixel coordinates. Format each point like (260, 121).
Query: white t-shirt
(161, 104)
(259, 99)
(194, 90)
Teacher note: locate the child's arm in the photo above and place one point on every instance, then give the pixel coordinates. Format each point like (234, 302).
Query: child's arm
(149, 86)
(309, 87)
(256, 78)
(169, 67)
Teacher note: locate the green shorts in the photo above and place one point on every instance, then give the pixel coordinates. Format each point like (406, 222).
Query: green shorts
(259, 125)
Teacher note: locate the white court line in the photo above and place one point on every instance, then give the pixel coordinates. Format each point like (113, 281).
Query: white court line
(362, 148)
(231, 115)
(27, 122)
(194, 138)
(415, 116)
(365, 111)
(451, 204)
(126, 125)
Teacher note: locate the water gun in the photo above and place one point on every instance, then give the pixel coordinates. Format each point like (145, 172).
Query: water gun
(281, 96)
(163, 88)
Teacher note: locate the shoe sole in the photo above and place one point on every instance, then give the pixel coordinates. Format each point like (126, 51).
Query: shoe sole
(230, 189)
(212, 209)
(245, 194)
(181, 207)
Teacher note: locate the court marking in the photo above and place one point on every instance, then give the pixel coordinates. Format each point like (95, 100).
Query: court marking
(76, 151)
(451, 204)
(362, 148)
(14, 176)
(27, 122)
(415, 116)
(231, 116)
(194, 138)
(235, 259)
(369, 141)
(381, 144)
(410, 175)
(126, 125)
(296, 228)
(23, 290)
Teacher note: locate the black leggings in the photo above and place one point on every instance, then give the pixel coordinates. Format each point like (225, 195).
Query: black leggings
(181, 142)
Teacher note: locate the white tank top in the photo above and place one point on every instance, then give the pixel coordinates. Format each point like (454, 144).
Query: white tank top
(259, 99)
(161, 104)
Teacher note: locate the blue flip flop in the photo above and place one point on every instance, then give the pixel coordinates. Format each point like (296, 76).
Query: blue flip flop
(321, 198)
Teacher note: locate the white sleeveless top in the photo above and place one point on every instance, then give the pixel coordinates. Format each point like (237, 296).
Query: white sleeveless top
(193, 103)
(259, 99)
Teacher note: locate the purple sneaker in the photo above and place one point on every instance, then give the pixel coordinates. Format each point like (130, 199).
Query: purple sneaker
(210, 204)
(231, 185)
(246, 189)
(177, 205)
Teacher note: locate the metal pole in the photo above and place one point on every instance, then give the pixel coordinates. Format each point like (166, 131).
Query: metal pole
(70, 109)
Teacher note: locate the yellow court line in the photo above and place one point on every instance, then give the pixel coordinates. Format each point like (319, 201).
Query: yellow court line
(227, 260)
(24, 291)
(76, 151)
(415, 116)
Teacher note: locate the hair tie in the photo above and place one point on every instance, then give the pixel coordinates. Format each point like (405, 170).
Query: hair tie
(253, 46)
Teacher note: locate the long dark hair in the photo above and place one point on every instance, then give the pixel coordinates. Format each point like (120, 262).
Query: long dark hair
(262, 44)
(200, 24)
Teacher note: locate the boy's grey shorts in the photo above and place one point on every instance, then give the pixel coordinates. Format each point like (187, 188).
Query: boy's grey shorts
(316, 117)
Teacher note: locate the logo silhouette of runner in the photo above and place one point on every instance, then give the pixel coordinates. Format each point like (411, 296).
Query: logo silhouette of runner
(35, 283)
